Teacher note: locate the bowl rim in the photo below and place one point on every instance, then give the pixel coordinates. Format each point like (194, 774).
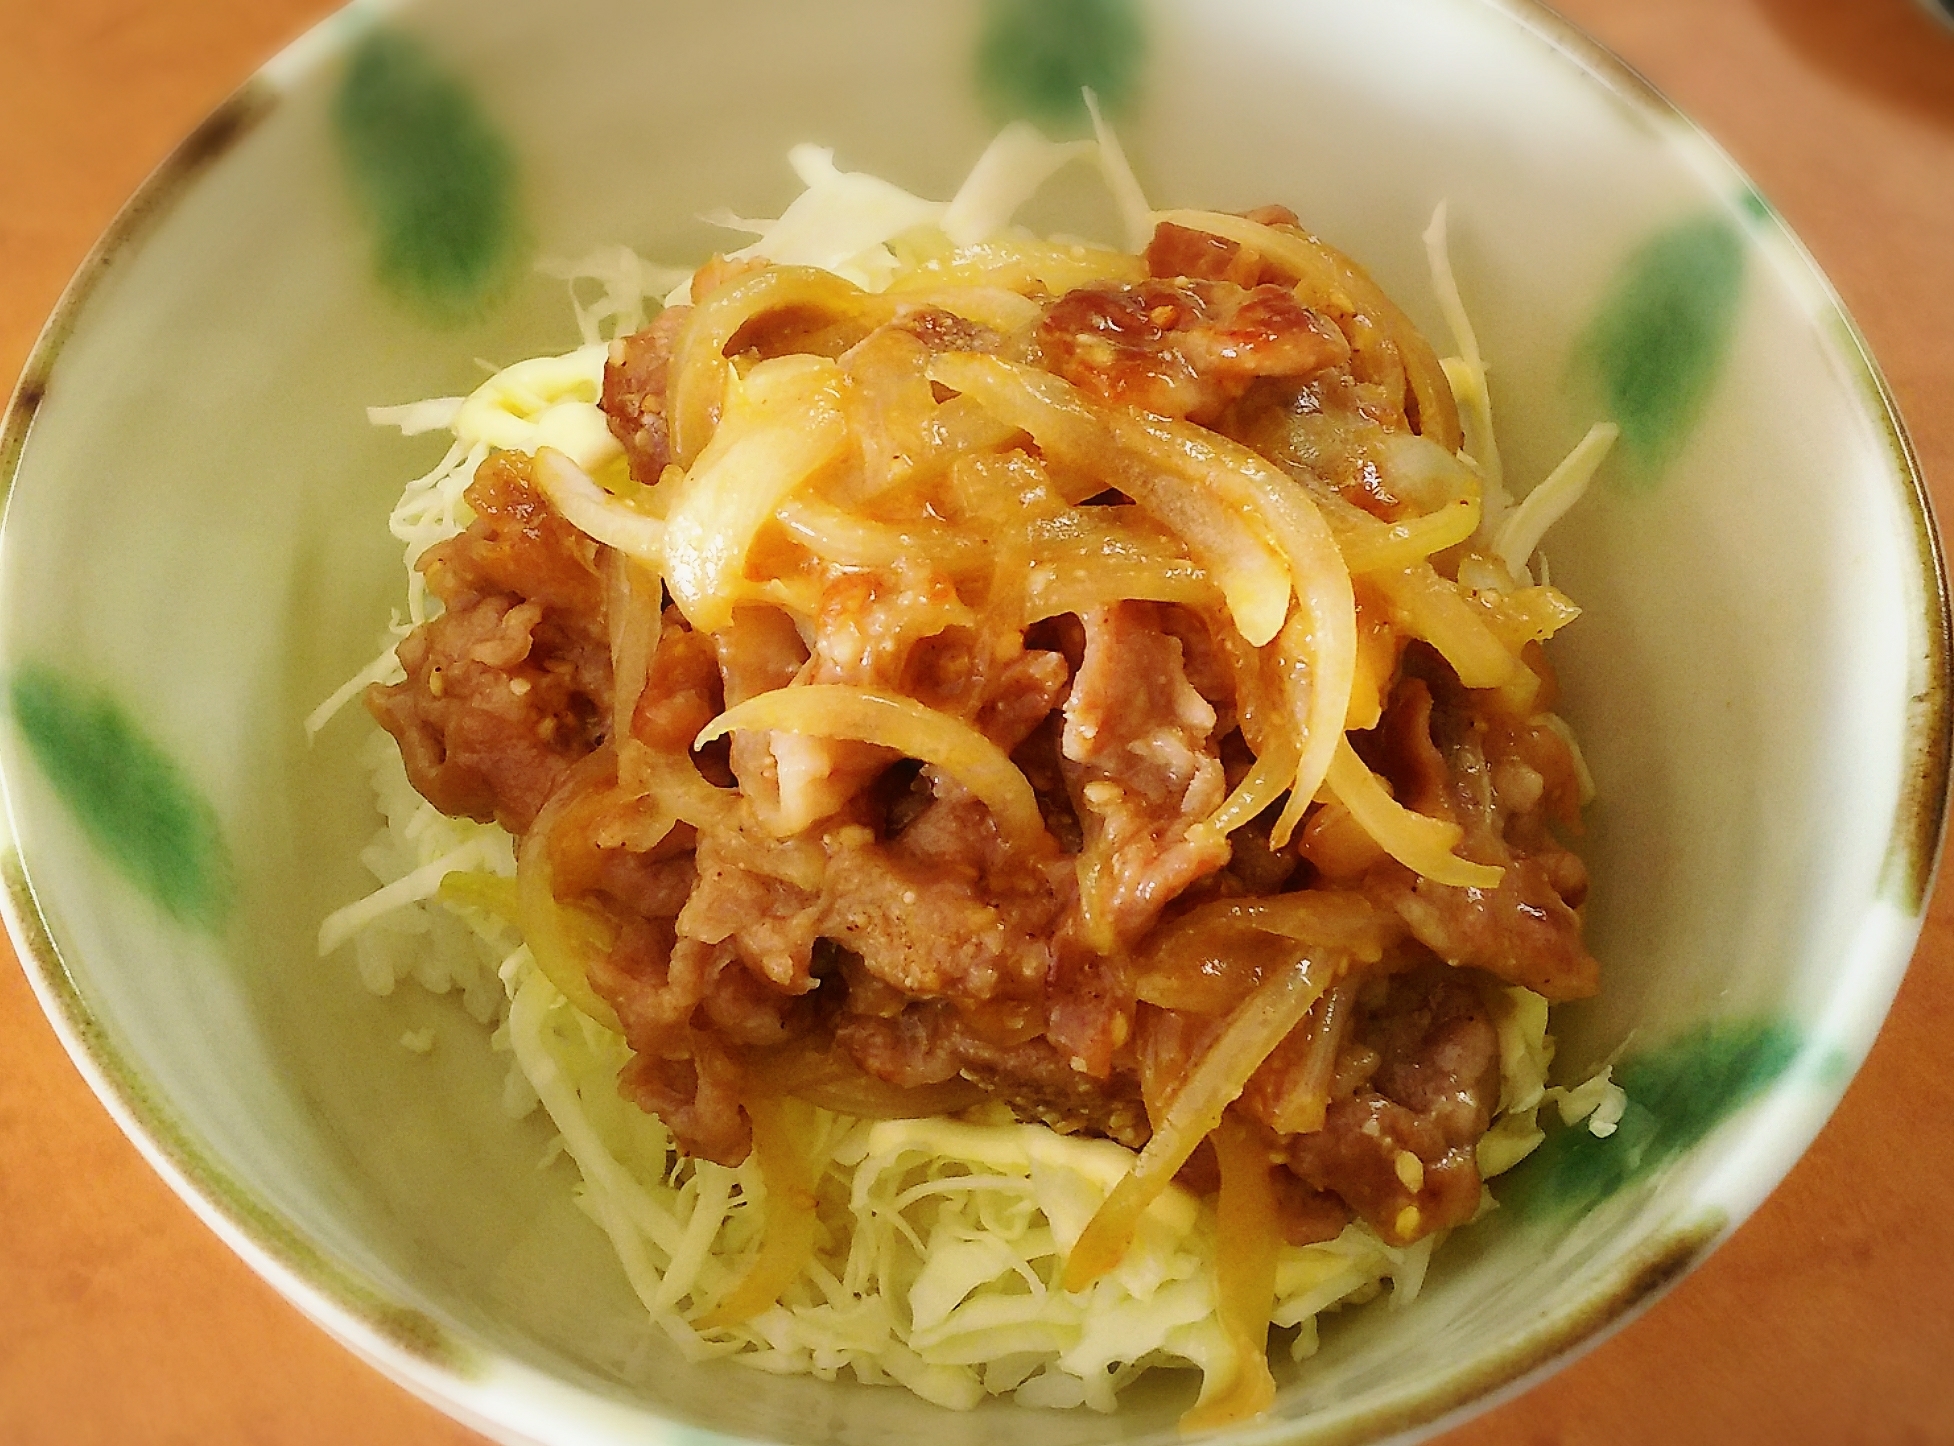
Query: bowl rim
(513, 1402)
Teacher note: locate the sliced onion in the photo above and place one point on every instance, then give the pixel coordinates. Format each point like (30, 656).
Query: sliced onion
(837, 710)
(1429, 607)
(1305, 1105)
(595, 512)
(562, 937)
(1399, 545)
(1256, 1027)
(1248, 1240)
(1251, 576)
(1274, 771)
(854, 541)
(787, 1237)
(1421, 843)
(700, 371)
(783, 423)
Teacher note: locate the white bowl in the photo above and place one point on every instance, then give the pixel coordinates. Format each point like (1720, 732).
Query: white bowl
(194, 554)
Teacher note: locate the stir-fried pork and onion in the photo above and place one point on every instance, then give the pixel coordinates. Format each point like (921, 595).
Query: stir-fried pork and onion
(1066, 679)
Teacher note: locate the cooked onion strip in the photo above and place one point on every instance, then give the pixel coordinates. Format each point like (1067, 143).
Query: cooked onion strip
(1429, 607)
(700, 371)
(1248, 1239)
(632, 601)
(1394, 546)
(1262, 785)
(787, 1237)
(836, 710)
(1079, 587)
(595, 512)
(563, 937)
(1421, 843)
(854, 541)
(1019, 265)
(783, 424)
(1070, 429)
(1313, 916)
(1257, 1026)
(1305, 1106)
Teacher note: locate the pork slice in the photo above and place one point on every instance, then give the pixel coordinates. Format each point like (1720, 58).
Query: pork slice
(683, 690)
(693, 1085)
(1525, 931)
(1184, 348)
(945, 910)
(770, 922)
(927, 1043)
(511, 683)
(637, 379)
(1429, 1097)
(1141, 763)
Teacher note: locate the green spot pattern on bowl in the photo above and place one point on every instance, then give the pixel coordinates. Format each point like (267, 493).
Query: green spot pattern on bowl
(1035, 56)
(1661, 335)
(435, 181)
(1677, 1093)
(130, 797)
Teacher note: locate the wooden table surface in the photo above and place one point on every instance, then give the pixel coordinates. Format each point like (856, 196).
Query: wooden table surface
(1829, 1317)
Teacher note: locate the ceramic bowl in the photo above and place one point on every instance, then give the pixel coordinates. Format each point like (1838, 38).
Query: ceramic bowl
(195, 554)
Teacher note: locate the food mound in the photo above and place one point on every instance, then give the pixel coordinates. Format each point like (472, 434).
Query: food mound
(1060, 685)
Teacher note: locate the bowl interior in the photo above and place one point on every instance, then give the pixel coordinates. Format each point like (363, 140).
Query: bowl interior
(195, 554)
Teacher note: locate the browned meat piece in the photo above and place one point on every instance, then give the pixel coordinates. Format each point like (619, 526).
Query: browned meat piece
(1526, 931)
(931, 1042)
(1026, 689)
(1184, 349)
(1307, 1215)
(771, 922)
(695, 1090)
(1181, 252)
(944, 910)
(1142, 769)
(1039, 1083)
(636, 377)
(1522, 932)
(510, 685)
(1431, 1096)
(941, 330)
(683, 691)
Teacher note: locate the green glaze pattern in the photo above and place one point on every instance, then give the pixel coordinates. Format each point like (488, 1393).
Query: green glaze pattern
(129, 796)
(1677, 1093)
(1660, 338)
(1035, 56)
(435, 181)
